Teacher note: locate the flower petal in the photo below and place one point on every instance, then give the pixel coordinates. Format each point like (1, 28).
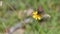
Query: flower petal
(35, 13)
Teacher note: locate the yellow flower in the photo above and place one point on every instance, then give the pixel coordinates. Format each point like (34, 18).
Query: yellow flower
(36, 16)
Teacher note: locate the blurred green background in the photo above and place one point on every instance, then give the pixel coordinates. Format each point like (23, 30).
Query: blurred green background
(10, 9)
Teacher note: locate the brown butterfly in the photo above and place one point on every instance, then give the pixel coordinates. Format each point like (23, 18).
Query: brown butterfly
(40, 10)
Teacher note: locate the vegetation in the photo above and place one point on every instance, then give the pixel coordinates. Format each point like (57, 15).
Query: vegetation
(9, 15)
